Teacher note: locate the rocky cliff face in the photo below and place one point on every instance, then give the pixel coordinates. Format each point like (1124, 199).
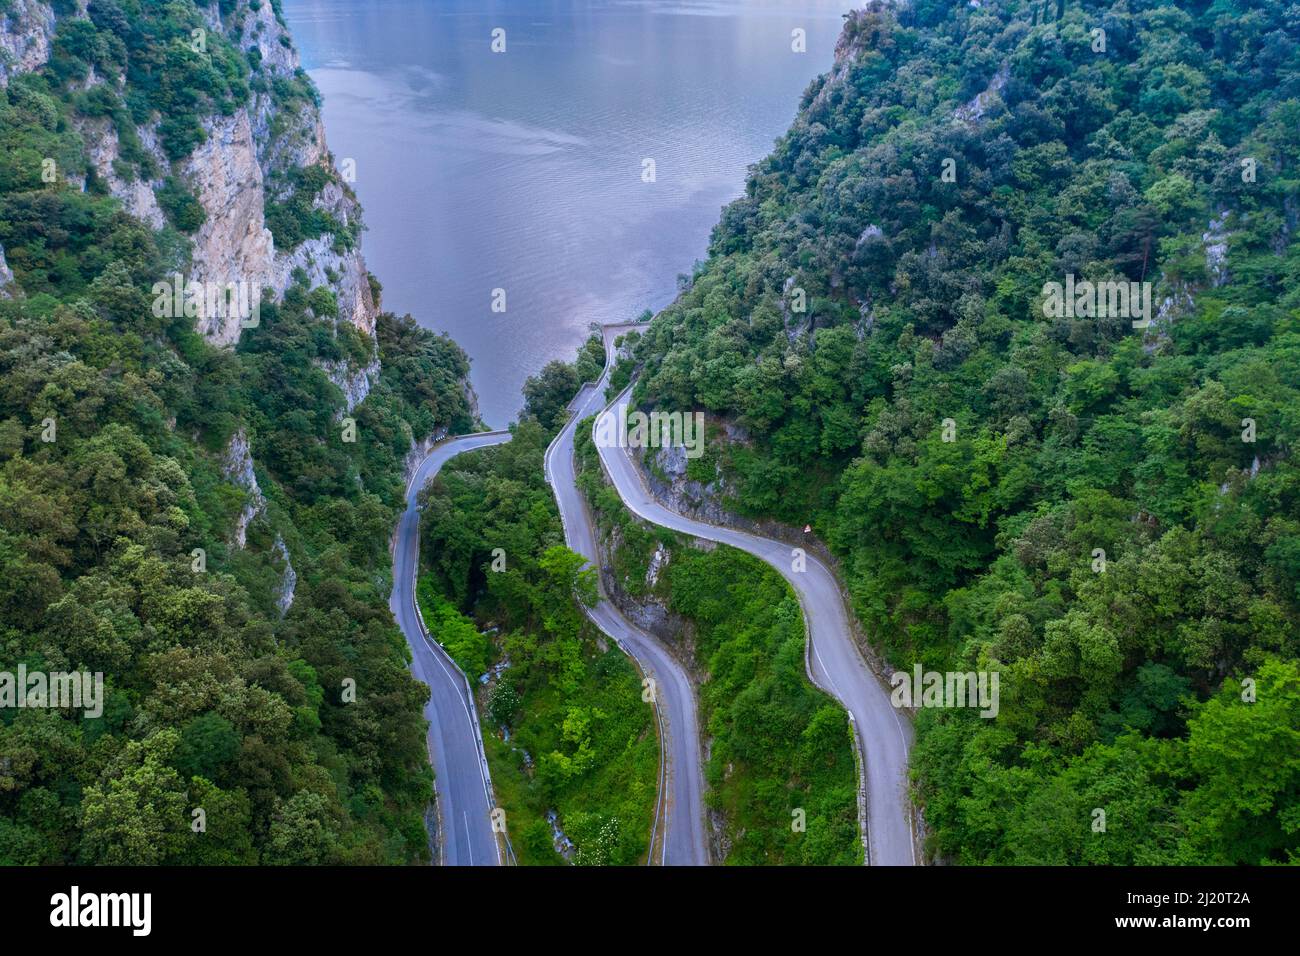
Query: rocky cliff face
(102, 151)
(283, 140)
(26, 29)
(354, 383)
(671, 484)
(288, 577)
(231, 171)
(252, 156)
(25, 34)
(420, 451)
(233, 244)
(351, 283)
(6, 275)
(237, 466)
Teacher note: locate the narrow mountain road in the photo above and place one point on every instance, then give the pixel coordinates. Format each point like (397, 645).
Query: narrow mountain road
(883, 737)
(680, 832)
(455, 743)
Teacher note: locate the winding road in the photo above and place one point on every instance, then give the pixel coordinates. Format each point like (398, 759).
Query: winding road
(680, 833)
(835, 664)
(465, 802)
(455, 743)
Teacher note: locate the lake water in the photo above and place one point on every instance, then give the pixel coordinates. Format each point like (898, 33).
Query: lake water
(523, 171)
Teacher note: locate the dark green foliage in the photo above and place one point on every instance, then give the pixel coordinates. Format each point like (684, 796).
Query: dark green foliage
(777, 744)
(323, 303)
(1069, 435)
(96, 542)
(55, 237)
(570, 702)
(548, 393)
(453, 630)
(293, 219)
(214, 699)
(95, 548)
(591, 359)
(207, 744)
(168, 71)
(181, 206)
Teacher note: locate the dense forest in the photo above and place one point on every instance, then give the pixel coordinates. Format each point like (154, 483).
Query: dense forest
(1108, 515)
(572, 745)
(252, 668)
(776, 745)
(1104, 511)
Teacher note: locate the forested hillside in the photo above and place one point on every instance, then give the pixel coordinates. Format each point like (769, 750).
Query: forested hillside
(571, 743)
(1108, 515)
(778, 749)
(198, 510)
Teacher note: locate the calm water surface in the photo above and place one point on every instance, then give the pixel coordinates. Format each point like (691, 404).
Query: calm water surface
(522, 170)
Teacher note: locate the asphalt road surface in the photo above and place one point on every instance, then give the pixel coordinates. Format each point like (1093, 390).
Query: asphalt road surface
(455, 743)
(835, 664)
(681, 836)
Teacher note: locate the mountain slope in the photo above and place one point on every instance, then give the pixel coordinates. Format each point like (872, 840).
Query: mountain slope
(198, 501)
(1104, 514)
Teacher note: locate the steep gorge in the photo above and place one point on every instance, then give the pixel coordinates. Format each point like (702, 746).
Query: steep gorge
(200, 503)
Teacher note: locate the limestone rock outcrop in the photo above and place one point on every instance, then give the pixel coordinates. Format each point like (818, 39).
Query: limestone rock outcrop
(26, 30)
(102, 151)
(232, 174)
(237, 466)
(233, 244)
(6, 275)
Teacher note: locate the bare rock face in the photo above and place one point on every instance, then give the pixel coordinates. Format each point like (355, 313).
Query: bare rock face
(297, 140)
(9, 289)
(1215, 240)
(679, 491)
(858, 36)
(287, 139)
(471, 399)
(228, 173)
(25, 35)
(975, 111)
(272, 41)
(237, 466)
(352, 289)
(288, 579)
(355, 383)
(317, 258)
(420, 451)
(102, 150)
(1180, 299)
(658, 561)
(149, 140)
(233, 244)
